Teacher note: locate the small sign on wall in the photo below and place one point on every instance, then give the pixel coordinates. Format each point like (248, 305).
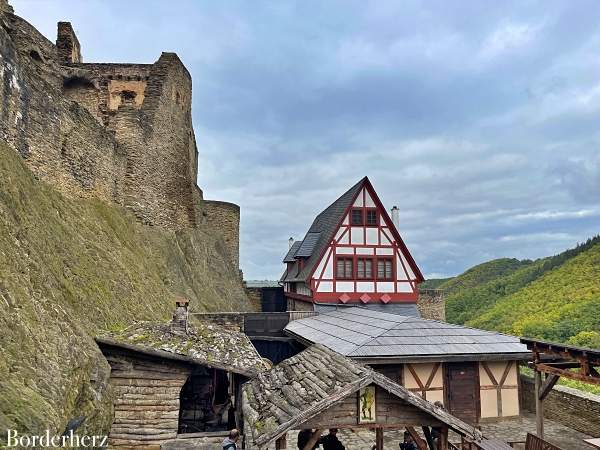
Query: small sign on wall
(366, 405)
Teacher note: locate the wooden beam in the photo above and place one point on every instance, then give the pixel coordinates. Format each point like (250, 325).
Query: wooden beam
(539, 405)
(567, 374)
(428, 437)
(313, 440)
(379, 438)
(421, 444)
(443, 439)
(547, 385)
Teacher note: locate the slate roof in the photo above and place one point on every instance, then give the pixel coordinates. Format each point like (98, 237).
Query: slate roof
(304, 385)
(321, 232)
(204, 343)
(289, 257)
(366, 334)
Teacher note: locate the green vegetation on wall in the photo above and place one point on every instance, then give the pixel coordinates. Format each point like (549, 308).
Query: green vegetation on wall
(69, 268)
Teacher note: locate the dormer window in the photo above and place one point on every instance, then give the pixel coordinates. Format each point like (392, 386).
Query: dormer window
(357, 216)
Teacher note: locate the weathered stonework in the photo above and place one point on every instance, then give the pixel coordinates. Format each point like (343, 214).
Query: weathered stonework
(575, 409)
(119, 132)
(431, 304)
(223, 219)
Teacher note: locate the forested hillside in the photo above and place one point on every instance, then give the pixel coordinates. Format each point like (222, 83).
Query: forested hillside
(555, 298)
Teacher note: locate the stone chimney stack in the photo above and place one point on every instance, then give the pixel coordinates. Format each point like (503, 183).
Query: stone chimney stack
(69, 50)
(396, 217)
(290, 242)
(180, 316)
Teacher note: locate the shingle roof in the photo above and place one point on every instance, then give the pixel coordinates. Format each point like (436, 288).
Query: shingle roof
(204, 344)
(289, 256)
(325, 224)
(308, 245)
(363, 333)
(303, 386)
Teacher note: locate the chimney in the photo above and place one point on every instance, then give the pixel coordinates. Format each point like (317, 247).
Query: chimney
(180, 316)
(396, 217)
(290, 242)
(69, 50)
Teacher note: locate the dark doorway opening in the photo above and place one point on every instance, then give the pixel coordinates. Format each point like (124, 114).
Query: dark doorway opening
(205, 402)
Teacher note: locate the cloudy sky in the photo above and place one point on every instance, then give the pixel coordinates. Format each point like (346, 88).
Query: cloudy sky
(479, 119)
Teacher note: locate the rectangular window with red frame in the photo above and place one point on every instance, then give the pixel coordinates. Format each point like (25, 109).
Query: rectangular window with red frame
(371, 218)
(364, 268)
(356, 216)
(344, 268)
(385, 267)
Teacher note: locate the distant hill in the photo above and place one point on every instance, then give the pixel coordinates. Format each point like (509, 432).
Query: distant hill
(555, 298)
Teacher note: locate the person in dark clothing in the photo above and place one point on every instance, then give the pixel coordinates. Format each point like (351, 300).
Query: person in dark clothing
(303, 438)
(331, 441)
(230, 442)
(409, 443)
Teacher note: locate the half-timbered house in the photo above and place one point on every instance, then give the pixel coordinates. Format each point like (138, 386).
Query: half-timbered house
(352, 254)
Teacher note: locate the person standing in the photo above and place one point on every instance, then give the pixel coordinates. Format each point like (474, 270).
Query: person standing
(331, 441)
(230, 442)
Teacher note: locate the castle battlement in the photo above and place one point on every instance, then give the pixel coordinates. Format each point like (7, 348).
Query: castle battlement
(119, 132)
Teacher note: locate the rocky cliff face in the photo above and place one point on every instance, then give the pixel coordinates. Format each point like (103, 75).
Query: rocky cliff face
(72, 267)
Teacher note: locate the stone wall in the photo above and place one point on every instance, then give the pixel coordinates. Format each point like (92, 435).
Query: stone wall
(223, 218)
(431, 304)
(571, 407)
(118, 132)
(58, 139)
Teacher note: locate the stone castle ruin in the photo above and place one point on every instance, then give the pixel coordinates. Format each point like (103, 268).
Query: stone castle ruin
(121, 133)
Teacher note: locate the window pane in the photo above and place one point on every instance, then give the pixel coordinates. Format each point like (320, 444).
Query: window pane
(348, 268)
(340, 268)
(357, 217)
(368, 268)
(360, 269)
(388, 269)
(380, 269)
(371, 217)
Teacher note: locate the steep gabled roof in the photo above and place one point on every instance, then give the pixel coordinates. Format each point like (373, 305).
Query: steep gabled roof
(365, 334)
(309, 383)
(323, 229)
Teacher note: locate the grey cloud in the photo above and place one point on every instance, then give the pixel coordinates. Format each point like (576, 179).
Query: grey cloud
(478, 119)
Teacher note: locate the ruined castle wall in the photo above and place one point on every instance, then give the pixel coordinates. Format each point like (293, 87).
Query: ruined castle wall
(59, 140)
(163, 168)
(223, 219)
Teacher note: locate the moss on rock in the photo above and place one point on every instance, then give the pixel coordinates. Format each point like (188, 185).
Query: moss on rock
(70, 268)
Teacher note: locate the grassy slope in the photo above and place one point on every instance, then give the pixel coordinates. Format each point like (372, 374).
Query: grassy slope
(557, 306)
(71, 267)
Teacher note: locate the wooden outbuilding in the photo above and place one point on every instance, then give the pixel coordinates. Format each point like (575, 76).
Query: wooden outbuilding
(319, 389)
(176, 380)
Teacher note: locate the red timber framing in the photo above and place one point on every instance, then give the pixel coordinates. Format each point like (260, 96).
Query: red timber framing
(393, 275)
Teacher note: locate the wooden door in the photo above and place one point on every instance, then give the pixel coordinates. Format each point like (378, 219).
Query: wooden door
(462, 390)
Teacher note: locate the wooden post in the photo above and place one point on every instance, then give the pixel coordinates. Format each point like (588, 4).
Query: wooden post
(421, 444)
(379, 438)
(313, 440)
(443, 439)
(539, 405)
